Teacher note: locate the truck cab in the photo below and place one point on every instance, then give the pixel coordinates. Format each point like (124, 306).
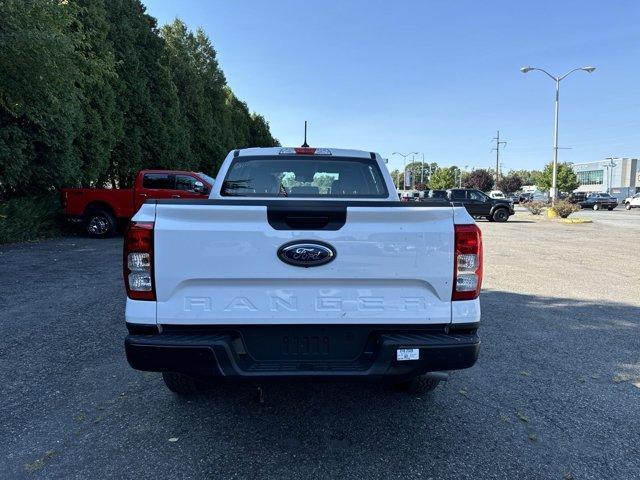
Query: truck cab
(302, 264)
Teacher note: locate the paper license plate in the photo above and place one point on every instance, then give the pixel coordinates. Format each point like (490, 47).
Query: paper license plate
(408, 354)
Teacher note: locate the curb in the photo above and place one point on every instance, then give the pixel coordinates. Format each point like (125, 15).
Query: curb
(576, 220)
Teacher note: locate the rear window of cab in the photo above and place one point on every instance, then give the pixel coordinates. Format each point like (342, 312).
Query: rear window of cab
(304, 176)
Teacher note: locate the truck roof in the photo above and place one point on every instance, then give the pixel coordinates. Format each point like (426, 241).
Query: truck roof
(270, 151)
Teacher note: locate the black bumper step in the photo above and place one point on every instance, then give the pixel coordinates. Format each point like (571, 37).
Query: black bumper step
(319, 351)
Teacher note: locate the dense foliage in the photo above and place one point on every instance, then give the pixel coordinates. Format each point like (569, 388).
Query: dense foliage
(480, 179)
(536, 207)
(443, 178)
(567, 181)
(91, 91)
(420, 174)
(528, 177)
(564, 208)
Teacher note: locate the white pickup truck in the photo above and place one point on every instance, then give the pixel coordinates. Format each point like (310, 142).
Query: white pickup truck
(303, 263)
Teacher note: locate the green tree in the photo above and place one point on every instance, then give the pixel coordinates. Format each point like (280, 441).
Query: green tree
(199, 83)
(40, 97)
(419, 174)
(443, 178)
(527, 176)
(567, 181)
(396, 176)
(91, 92)
(102, 127)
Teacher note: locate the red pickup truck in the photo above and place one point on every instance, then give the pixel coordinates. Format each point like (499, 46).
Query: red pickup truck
(100, 210)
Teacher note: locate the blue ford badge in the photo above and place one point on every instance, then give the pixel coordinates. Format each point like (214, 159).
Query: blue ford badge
(305, 253)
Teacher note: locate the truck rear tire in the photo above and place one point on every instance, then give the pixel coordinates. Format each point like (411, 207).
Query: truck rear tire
(419, 384)
(100, 224)
(596, 207)
(181, 384)
(501, 215)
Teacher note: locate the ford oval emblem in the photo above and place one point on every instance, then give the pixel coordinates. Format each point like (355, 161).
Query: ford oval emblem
(305, 253)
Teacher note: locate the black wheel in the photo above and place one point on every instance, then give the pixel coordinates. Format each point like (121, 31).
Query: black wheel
(596, 207)
(182, 385)
(610, 208)
(490, 218)
(100, 224)
(627, 206)
(419, 384)
(501, 215)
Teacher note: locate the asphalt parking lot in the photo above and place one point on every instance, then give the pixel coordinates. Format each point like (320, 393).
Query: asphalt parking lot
(555, 393)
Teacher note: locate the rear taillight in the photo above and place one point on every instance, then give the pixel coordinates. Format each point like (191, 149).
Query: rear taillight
(467, 270)
(138, 261)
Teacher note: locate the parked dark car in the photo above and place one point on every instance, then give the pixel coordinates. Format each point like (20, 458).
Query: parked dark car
(600, 200)
(577, 197)
(480, 205)
(526, 197)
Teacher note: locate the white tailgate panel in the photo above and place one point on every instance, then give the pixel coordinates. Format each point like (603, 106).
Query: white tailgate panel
(218, 264)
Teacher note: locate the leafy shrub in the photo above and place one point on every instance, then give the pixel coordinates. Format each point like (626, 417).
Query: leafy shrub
(536, 208)
(564, 208)
(30, 218)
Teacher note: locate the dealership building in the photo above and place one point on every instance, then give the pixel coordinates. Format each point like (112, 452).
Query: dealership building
(618, 176)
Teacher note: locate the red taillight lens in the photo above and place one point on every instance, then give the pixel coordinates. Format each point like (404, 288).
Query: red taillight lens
(138, 261)
(467, 269)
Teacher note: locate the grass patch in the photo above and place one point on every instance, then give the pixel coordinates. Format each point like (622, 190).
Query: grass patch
(30, 218)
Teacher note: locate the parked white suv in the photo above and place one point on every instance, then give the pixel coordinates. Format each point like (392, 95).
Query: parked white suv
(302, 264)
(632, 202)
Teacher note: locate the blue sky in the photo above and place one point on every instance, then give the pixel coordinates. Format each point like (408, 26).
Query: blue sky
(434, 77)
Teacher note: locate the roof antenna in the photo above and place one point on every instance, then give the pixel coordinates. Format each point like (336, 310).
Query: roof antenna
(305, 144)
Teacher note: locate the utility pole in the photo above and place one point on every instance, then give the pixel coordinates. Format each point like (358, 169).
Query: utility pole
(497, 149)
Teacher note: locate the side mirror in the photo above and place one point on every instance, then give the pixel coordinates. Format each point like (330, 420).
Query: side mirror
(198, 187)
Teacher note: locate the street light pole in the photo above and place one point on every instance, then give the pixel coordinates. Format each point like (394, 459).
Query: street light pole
(557, 80)
(554, 175)
(404, 168)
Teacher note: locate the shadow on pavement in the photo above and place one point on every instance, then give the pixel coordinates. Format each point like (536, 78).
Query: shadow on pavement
(551, 370)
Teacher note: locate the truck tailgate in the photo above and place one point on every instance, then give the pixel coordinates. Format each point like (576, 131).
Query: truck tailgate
(216, 263)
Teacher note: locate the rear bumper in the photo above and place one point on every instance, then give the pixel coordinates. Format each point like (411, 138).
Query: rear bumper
(285, 351)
